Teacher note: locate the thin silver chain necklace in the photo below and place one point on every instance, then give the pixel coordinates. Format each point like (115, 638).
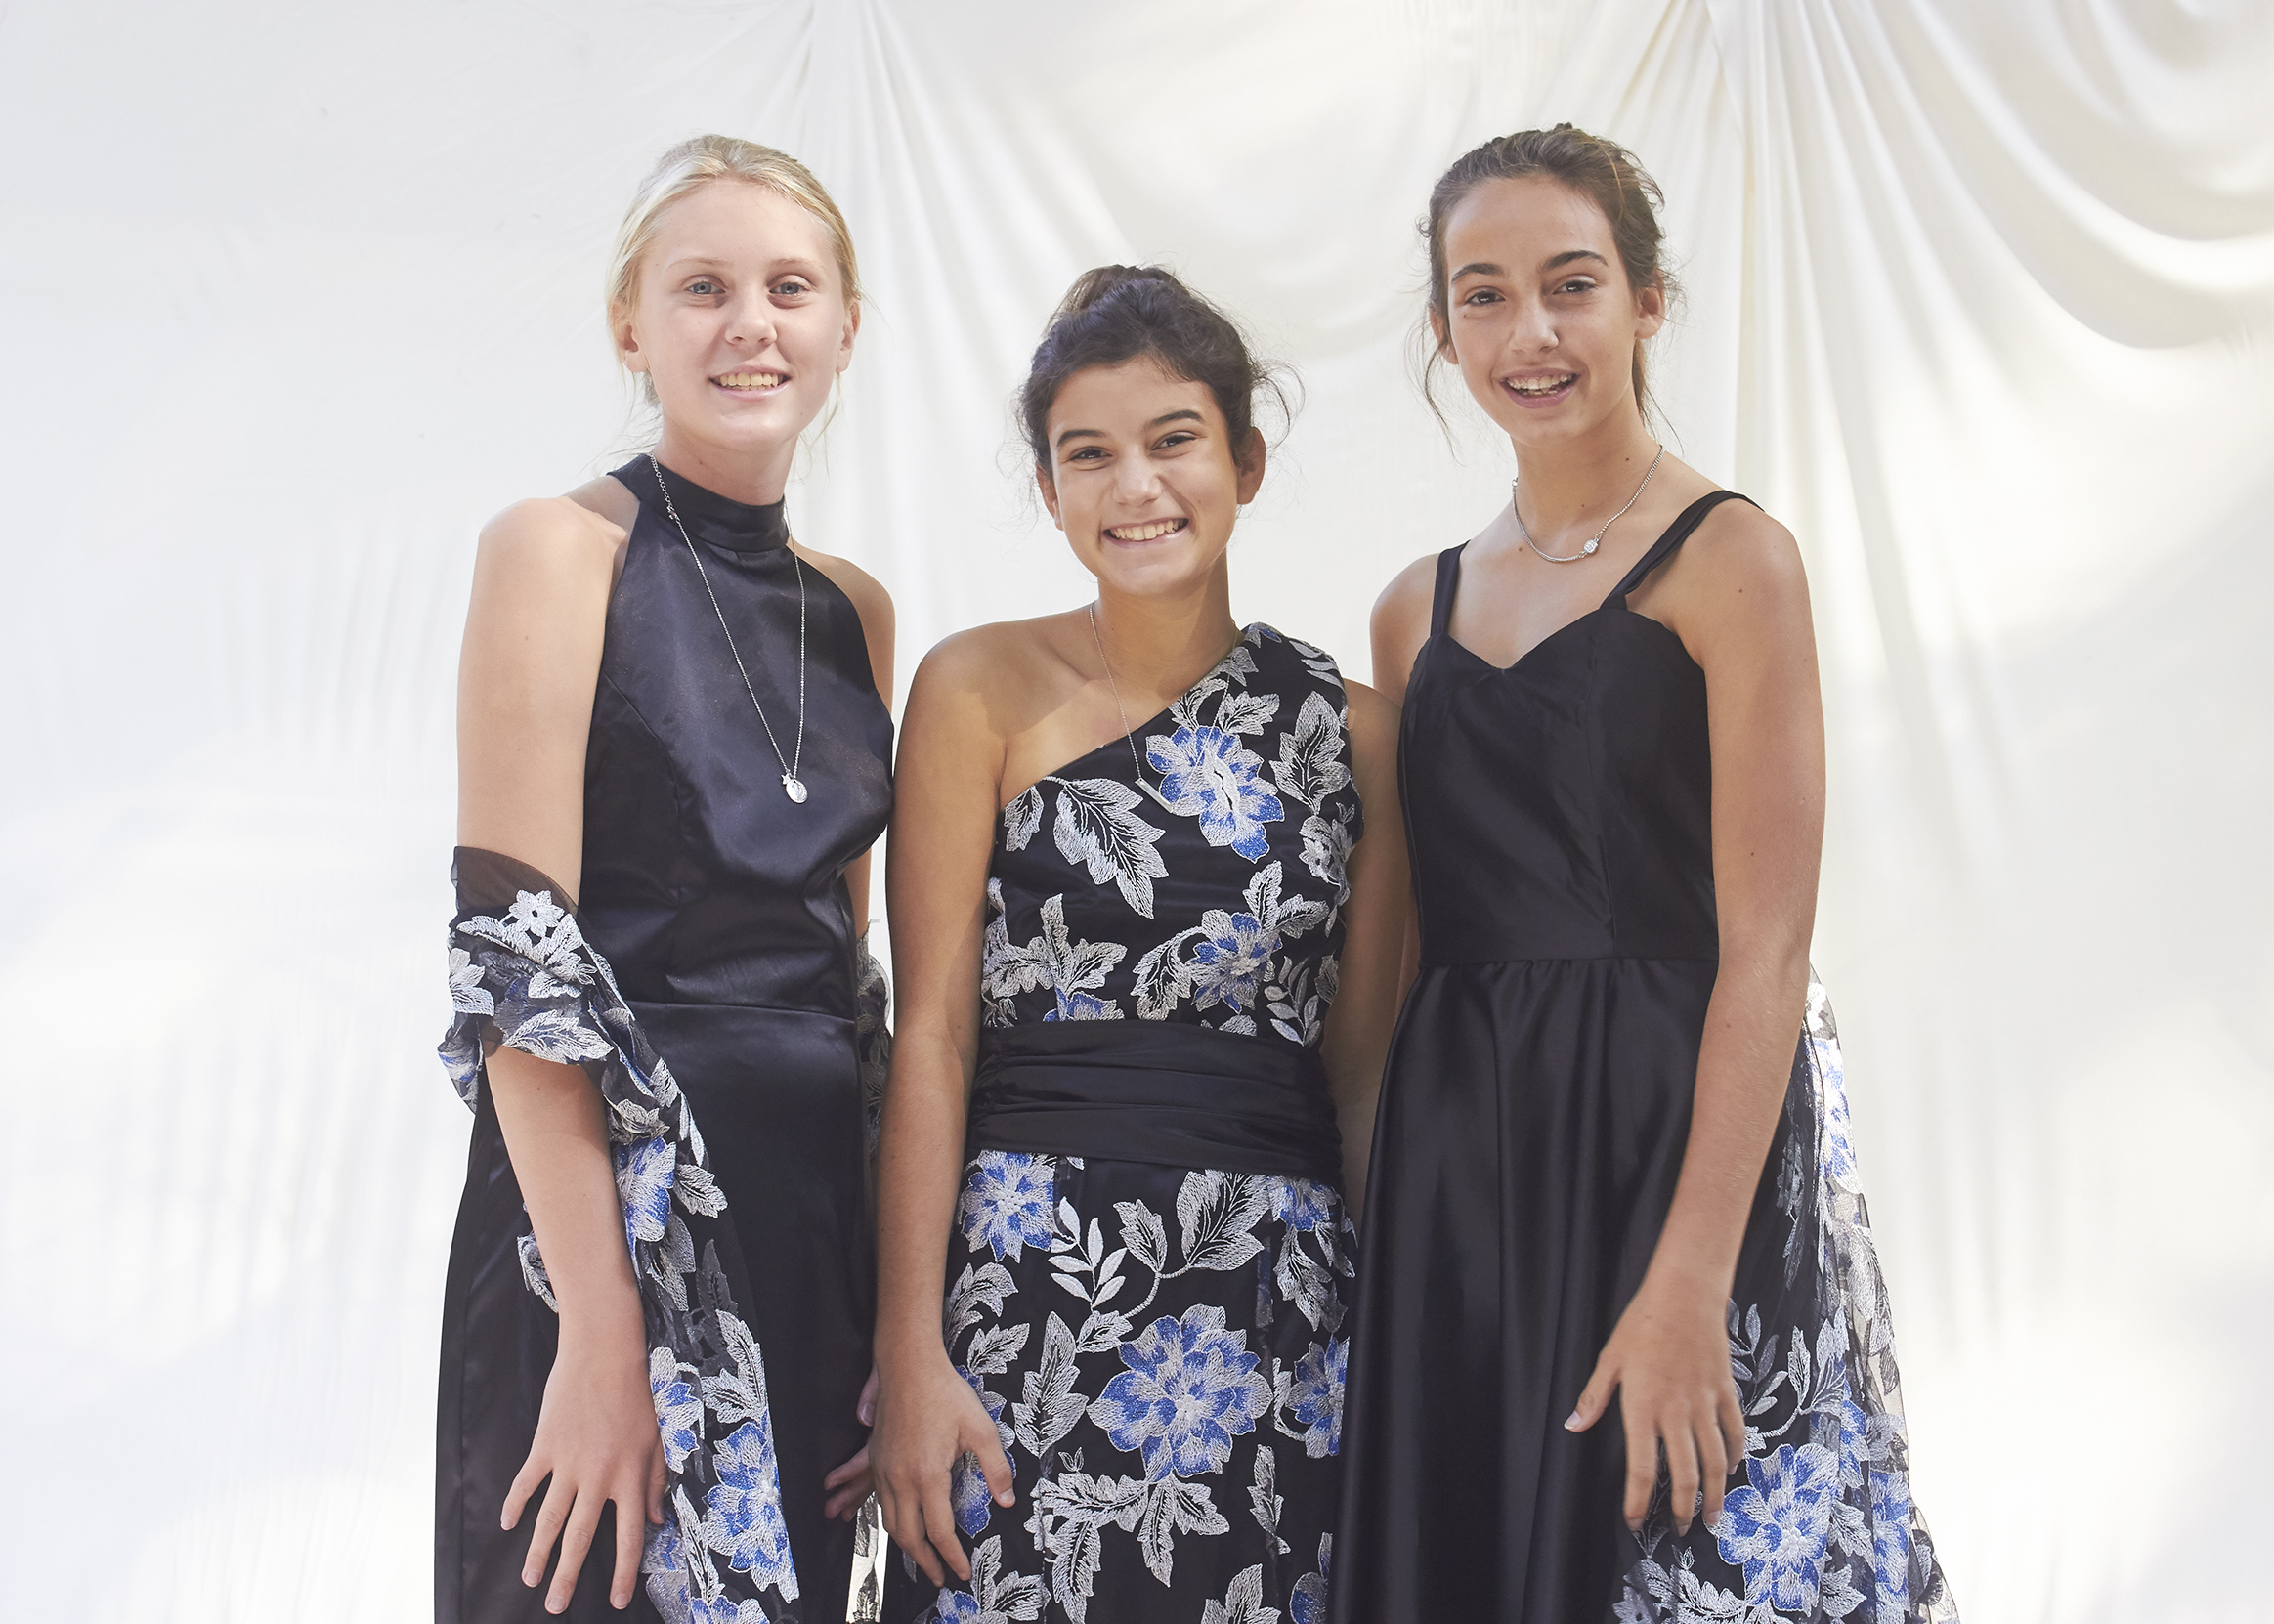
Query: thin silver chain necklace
(1143, 783)
(1119, 709)
(1594, 541)
(791, 784)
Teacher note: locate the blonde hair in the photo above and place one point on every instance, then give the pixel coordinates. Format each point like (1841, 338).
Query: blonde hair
(690, 166)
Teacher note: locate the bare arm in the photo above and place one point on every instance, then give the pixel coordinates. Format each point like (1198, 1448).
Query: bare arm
(1741, 605)
(527, 673)
(850, 1482)
(1400, 627)
(943, 823)
(873, 605)
(1372, 983)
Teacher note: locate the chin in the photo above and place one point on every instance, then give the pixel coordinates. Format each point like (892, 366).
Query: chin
(1155, 578)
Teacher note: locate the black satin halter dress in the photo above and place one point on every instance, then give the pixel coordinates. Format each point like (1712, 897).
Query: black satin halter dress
(1533, 1118)
(722, 908)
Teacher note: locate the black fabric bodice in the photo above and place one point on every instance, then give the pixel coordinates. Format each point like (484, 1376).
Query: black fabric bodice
(1597, 840)
(1158, 966)
(1215, 901)
(704, 883)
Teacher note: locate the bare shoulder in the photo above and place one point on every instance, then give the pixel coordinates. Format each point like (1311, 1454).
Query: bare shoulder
(870, 599)
(1738, 547)
(1736, 589)
(1408, 595)
(1002, 666)
(550, 539)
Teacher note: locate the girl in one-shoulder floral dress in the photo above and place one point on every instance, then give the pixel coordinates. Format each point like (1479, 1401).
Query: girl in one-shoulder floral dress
(1179, 972)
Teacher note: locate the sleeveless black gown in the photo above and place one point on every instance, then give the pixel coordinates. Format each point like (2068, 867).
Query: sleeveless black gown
(720, 908)
(1532, 1124)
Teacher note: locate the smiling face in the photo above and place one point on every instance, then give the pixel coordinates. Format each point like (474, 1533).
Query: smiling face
(1144, 477)
(741, 323)
(1540, 316)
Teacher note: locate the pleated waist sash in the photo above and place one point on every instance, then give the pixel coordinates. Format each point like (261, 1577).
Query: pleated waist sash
(1160, 1092)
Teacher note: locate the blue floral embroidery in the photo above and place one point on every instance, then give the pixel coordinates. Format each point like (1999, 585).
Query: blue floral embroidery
(1110, 1337)
(743, 1512)
(1316, 1396)
(1231, 955)
(1093, 952)
(522, 975)
(645, 1171)
(1006, 1204)
(1209, 774)
(678, 1407)
(1824, 1528)
(1777, 1524)
(1307, 1605)
(1191, 1387)
(1891, 1540)
(1304, 1203)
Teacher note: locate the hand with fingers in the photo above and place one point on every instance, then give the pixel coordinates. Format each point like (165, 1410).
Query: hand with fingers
(854, 1481)
(597, 1440)
(1668, 1361)
(926, 1423)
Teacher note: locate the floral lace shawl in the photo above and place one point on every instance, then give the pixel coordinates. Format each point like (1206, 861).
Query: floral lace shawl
(1823, 1525)
(522, 975)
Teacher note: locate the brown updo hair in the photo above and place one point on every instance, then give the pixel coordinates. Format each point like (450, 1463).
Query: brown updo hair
(1117, 312)
(1587, 163)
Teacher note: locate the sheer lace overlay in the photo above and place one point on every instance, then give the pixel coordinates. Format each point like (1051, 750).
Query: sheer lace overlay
(523, 977)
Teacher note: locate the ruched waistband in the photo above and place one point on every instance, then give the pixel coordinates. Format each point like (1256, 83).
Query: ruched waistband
(1158, 1092)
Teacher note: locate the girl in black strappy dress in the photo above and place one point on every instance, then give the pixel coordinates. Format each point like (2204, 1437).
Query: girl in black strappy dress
(1612, 1156)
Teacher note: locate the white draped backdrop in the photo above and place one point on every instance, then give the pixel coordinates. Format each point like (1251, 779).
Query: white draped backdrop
(1981, 304)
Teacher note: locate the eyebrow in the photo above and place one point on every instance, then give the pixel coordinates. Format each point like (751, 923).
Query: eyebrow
(1482, 268)
(1180, 415)
(786, 262)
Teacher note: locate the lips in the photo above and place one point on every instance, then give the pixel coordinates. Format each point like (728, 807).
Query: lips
(1151, 530)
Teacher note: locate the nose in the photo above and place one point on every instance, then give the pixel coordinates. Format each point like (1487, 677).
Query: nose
(1136, 481)
(1534, 332)
(749, 320)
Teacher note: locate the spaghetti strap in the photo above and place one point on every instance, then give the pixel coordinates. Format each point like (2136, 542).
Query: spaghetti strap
(1440, 609)
(1662, 549)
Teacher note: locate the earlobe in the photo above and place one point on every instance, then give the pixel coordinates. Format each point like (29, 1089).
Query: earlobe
(1050, 490)
(1649, 312)
(1253, 454)
(1443, 336)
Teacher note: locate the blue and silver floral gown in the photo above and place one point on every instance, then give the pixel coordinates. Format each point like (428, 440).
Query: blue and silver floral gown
(1147, 1285)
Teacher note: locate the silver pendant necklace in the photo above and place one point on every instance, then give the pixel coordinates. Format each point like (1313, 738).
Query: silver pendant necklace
(1594, 541)
(791, 784)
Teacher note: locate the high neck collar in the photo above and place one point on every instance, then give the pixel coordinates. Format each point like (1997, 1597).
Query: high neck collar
(712, 519)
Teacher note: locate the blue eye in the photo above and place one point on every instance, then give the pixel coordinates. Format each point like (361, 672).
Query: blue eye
(702, 287)
(791, 289)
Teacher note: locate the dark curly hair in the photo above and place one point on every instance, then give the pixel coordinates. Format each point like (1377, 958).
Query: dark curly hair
(1118, 313)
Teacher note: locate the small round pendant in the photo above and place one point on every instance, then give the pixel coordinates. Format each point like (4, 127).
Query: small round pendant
(793, 787)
